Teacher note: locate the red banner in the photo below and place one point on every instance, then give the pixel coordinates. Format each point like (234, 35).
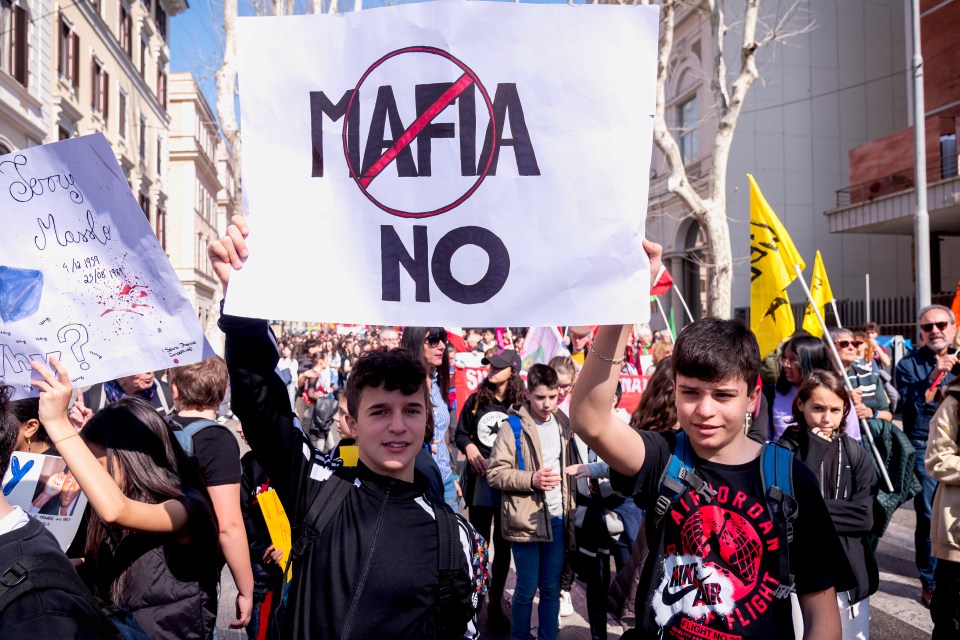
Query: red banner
(468, 379)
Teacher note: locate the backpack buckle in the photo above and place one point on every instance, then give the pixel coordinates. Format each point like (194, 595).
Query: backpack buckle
(19, 575)
(663, 503)
(784, 591)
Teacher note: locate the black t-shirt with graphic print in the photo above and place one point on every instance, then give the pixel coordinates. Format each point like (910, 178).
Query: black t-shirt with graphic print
(713, 569)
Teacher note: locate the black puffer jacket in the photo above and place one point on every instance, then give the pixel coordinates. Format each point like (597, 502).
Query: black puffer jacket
(374, 571)
(849, 484)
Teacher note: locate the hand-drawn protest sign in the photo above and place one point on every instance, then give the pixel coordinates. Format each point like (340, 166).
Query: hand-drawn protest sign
(83, 277)
(44, 487)
(453, 168)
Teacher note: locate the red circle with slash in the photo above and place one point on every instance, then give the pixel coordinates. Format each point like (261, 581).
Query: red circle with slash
(465, 80)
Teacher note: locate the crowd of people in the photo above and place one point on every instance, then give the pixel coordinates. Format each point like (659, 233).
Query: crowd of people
(743, 497)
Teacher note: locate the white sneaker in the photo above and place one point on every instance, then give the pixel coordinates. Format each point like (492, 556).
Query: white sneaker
(566, 604)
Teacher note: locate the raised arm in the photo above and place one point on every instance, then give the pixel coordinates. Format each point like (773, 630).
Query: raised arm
(102, 492)
(258, 395)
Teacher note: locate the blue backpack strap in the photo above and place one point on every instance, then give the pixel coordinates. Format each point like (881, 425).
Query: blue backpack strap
(776, 474)
(184, 434)
(517, 430)
(678, 476)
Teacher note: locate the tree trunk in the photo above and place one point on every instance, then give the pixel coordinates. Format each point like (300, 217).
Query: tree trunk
(226, 91)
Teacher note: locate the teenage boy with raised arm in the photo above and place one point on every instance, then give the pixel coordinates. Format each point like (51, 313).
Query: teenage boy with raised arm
(373, 570)
(714, 566)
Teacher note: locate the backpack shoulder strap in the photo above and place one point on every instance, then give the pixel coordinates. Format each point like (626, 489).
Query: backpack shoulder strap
(40, 572)
(333, 492)
(184, 433)
(517, 430)
(776, 474)
(678, 476)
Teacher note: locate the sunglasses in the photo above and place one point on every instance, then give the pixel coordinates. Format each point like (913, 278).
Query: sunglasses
(434, 341)
(843, 344)
(927, 327)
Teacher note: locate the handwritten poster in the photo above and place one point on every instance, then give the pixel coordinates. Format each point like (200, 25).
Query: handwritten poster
(460, 171)
(82, 275)
(44, 487)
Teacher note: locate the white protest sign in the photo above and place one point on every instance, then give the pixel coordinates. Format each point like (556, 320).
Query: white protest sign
(82, 275)
(43, 487)
(448, 163)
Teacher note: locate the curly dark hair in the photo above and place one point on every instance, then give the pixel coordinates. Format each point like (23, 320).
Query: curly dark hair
(515, 393)
(394, 369)
(9, 428)
(657, 410)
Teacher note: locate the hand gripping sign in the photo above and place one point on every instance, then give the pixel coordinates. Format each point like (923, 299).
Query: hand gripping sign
(436, 163)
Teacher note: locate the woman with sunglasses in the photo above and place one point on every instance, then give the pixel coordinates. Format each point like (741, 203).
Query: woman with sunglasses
(430, 343)
(868, 397)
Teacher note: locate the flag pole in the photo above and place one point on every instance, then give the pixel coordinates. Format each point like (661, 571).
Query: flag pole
(864, 427)
(683, 302)
(664, 315)
(833, 305)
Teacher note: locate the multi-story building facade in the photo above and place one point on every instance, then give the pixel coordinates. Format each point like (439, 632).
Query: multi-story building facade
(825, 91)
(194, 208)
(109, 75)
(881, 198)
(25, 51)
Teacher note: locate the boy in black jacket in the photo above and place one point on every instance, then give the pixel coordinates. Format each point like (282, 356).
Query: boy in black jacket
(379, 565)
(59, 611)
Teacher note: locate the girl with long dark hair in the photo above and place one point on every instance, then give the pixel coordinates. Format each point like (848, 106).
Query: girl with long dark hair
(480, 420)
(152, 537)
(430, 344)
(847, 482)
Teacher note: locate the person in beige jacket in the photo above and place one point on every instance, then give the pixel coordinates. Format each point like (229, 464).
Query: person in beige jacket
(538, 499)
(943, 465)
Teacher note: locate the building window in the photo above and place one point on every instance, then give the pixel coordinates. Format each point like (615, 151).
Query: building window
(143, 56)
(948, 155)
(63, 134)
(100, 90)
(159, 155)
(160, 18)
(687, 130)
(143, 139)
(122, 117)
(161, 226)
(68, 56)
(126, 30)
(162, 82)
(19, 44)
(96, 6)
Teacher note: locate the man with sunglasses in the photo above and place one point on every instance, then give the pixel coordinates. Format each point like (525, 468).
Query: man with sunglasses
(915, 378)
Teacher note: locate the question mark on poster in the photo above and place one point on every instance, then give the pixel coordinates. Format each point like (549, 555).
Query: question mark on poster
(83, 337)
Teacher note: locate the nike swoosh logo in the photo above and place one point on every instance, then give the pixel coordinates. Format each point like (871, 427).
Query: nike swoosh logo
(671, 599)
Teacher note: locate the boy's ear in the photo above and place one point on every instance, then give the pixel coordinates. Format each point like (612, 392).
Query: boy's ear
(351, 423)
(30, 427)
(175, 391)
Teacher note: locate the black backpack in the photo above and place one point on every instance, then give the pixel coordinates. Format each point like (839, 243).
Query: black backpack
(53, 572)
(324, 409)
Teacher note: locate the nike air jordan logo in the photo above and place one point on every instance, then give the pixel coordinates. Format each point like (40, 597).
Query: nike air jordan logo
(671, 599)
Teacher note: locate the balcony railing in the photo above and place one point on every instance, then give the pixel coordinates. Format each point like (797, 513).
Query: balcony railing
(938, 168)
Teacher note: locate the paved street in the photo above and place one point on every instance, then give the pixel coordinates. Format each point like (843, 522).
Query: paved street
(895, 610)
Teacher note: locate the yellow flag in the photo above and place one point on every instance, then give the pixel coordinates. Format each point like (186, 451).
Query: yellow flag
(772, 259)
(277, 524)
(822, 295)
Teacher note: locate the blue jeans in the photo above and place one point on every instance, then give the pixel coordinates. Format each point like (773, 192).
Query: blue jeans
(450, 491)
(538, 564)
(923, 505)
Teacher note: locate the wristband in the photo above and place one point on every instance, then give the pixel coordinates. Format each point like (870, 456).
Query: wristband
(72, 435)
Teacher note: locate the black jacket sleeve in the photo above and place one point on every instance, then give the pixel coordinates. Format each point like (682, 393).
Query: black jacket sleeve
(259, 399)
(466, 431)
(854, 517)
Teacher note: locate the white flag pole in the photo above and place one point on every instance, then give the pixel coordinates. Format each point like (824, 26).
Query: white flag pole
(833, 305)
(664, 315)
(684, 303)
(864, 427)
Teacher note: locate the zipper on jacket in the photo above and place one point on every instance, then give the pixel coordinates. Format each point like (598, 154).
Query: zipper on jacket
(348, 623)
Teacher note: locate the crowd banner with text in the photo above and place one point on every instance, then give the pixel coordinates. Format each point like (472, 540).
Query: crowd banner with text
(44, 487)
(466, 381)
(457, 170)
(83, 277)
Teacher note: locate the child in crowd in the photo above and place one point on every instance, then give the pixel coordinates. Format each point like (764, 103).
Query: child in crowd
(152, 536)
(848, 484)
(538, 499)
(719, 563)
